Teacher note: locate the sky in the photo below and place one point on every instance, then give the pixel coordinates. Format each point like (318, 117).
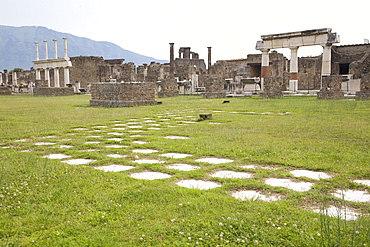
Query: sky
(230, 27)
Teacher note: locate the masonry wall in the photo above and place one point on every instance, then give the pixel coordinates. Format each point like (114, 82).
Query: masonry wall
(53, 91)
(122, 94)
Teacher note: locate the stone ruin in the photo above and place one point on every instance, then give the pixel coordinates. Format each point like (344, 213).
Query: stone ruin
(331, 88)
(274, 87)
(364, 93)
(122, 94)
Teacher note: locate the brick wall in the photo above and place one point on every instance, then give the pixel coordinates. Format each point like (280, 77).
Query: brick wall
(122, 94)
(53, 91)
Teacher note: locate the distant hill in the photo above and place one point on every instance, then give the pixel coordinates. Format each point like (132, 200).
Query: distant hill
(17, 48)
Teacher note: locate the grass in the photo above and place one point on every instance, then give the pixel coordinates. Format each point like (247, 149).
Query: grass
(45, 202)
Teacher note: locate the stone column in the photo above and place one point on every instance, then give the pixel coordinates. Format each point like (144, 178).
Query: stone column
(14, 78)
(38, 74)
(56, 77)
(172, 65)
(265, 66)
(1, 78)
(65, 48)
(45, 49)
(326, 62)
(47, 77)
(66, 76)
(6, 77)
(55, 49)
(37, 50)
(209, 58)
(293, 81)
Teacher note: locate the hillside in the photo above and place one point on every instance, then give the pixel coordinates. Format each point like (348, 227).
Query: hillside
(17, 49)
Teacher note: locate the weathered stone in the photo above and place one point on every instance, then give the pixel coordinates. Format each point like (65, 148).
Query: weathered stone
(122, 94)
(5, 91)
(331, 88)
(273, 87)
(53, 91)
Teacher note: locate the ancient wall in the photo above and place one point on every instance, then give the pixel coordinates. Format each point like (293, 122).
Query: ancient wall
(309, 73)
(331, 88)
(87, 69)
(4, 90)
(155, 72)
(122, 94)
(53, 91)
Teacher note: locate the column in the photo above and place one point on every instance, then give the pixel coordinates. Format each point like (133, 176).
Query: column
(293, 81)
(45, 49)
(56, 77)
(14, 78)
(172, 65)
(1, 78)
(326, 62)
(55, 49)
(65, 48)
(47, 77)
(66, 76)
(37, 50)
(38, 74)
(265, 66)
(209, 58)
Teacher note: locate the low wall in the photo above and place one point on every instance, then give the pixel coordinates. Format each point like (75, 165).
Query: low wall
(53, 91)
(5, 91)
(122, 94)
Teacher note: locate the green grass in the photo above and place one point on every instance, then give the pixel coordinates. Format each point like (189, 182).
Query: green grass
(45, 202)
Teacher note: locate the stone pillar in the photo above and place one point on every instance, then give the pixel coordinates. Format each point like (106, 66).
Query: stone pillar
(186, 52)
(55, 49)
(37, 50)
(65, 48)
(47, 77)
(6, 77)
(265, 66)
(326, 62)
(38, 75)
(209, 58)
(66, 76)
(14, 78)
(1, 78)
(77, 86)
(56, 77)
(45, 49)
(293, 81)
(172, 65)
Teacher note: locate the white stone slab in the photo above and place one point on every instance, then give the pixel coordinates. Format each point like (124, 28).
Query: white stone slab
(93, 136)
(56, 156)
(115, 133)
(214, 160)
(65, 146)
(145, 161)
(115, 139)
(153, 128)
(92, 142)
(118, 128)
(364, 182)
(78, 161)
(114, 168)
(139, 142)
(198, 184)
(287, 183)
(183, 167)
(80, 129)
(352, 195)
(231, 174)
(116, 155)
(44, 143)
(150, 175)
(342, 213)
(176, 137)
(254, 195)
(310, 174)
(176, 155)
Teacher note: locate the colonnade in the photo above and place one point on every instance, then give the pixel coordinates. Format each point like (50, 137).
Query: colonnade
(293, 41)
(55, 63)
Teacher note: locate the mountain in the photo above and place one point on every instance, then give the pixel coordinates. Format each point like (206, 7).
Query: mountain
(17, 48)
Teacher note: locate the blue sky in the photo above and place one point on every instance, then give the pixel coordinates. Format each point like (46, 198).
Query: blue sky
(230, 27)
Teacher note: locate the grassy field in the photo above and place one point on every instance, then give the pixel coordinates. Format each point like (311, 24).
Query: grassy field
(45, 202)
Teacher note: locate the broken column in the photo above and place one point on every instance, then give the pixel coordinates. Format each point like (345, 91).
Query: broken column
(209, 58)
(214, 87)
(265, 67)
(168, 86)
(273, 87)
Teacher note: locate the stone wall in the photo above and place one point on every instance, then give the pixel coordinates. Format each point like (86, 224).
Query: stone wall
(53, 91)
(5, 90)
(273, 87)
(168, 88)
(364, 93)
(214, 87)
(331, 88)
(309, 73)
(122, 94)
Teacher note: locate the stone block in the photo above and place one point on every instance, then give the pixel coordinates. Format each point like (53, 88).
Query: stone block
(53, 91)
(5, 91)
